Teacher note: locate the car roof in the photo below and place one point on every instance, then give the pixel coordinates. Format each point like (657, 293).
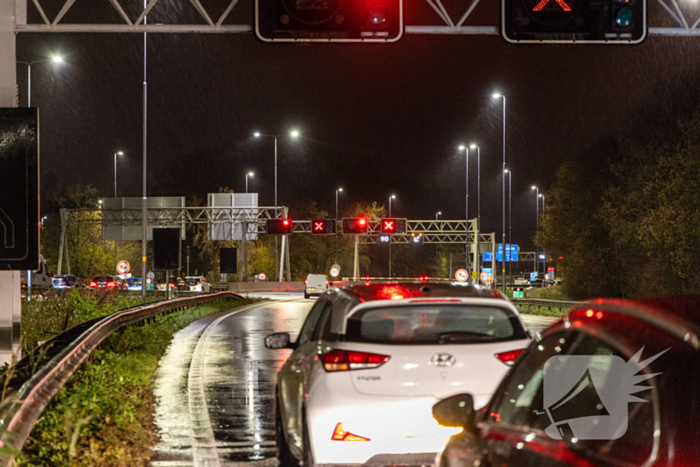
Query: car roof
(416, 289)
(676, 315)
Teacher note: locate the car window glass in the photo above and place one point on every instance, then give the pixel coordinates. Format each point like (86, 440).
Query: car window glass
(324, 322)
(522, 401)
(310, 324)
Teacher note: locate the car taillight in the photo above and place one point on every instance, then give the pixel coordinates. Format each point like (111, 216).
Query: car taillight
(509, 357)
(111, 285)
(93, 284)
(344, 360)
(172, 286)
(339, 434)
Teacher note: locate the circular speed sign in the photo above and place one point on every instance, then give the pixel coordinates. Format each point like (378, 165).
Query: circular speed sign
(461, 275)
(335, 270)
(123, 267)
(262, 276)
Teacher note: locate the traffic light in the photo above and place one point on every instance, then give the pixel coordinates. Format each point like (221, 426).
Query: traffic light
(356, 225)
(416, 239)
(323, 226)
(279, 226)
(574, 21)
(393, 226)
(329, 20)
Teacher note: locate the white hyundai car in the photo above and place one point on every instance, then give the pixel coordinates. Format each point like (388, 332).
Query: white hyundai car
(370, 362)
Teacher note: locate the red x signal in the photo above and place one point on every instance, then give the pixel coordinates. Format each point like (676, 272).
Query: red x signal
(389, 226)
(319, 227)
(543, 3)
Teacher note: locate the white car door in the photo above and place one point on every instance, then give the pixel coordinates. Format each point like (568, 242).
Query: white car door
(292, 378)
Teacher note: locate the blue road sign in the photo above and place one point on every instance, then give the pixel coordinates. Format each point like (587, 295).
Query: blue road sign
(488, 256)
(511, 252)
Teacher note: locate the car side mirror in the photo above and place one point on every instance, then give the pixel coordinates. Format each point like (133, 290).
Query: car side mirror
(456, 411)
(279, 340)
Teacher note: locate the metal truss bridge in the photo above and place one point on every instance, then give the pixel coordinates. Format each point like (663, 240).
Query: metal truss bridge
(465, 17)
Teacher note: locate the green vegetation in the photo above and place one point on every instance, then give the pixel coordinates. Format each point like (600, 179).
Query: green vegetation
(624, 219)
(104, 416)
(41, 320)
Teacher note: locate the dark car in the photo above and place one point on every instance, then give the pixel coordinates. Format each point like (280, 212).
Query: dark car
(67, 282)
(614, 383)
(107, 282)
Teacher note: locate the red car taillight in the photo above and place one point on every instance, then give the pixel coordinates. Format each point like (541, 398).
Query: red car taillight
(344, 360)
(93, 284)
(111, 285)
(339, 434)
(509, 357)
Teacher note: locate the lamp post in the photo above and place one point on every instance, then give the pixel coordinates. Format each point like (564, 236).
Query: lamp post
(249, 174)
(118, 153)
(510, 224)
(294, 134)
(466, 246)
(542, 195)
(437, 215)
(390, 198)
(339, 190)
(477, 259)
(55, 59)
(503, 241)
(537, 220)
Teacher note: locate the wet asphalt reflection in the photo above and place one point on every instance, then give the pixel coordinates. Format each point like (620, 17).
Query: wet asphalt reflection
(215, 387)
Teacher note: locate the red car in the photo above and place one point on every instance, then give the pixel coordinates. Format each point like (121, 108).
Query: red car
(613, 383)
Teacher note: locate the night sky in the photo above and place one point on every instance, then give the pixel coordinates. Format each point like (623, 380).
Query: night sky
(376, 119)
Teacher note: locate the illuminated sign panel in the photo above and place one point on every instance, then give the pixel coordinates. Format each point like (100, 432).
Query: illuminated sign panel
(574, 21)
(357, 225)
(279, 226)
(323, 226)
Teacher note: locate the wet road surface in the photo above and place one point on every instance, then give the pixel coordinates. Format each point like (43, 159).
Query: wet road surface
(215, 385)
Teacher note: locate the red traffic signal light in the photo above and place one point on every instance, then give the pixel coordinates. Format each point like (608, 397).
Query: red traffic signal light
(329, 20)
(574, 21)
(279, 226)
(393, 226)
(356, 225)
(323, 226)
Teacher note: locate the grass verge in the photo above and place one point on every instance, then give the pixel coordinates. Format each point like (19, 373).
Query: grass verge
(104, 415)
(541, 310)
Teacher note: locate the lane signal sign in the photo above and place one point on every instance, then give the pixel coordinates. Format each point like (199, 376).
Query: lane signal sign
(393, 225)
(323, 226)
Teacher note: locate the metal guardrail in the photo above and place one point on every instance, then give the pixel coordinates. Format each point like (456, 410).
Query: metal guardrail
(540, 302)
(20, 411)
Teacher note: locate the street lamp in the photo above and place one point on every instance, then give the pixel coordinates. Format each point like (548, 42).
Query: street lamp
(390, 198)
(43, 218)
(294, 134)
(249, 174)
(503, 241)
(542, 196)
(118, 153)
(466, 163)
(339, 190)
(537, 220)
(477, 259)
(56, 59)
(510, 224)
(437, 214)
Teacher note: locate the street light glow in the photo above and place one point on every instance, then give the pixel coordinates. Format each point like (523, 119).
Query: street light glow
(534, 187)
(256, 134)
(540, 195)
(251, 174)
(57, 59)
(120, 153)
(506, 171)
(473, 146)
(340, 189)
(461, 147)
(393, 196)
(294, 134)
(497, 95)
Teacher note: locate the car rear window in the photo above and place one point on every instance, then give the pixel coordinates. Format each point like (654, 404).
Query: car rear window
(434, 325)
(103, 279)
(192, 281)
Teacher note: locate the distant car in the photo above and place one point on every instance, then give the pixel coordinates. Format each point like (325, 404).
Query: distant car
(370, 362)
(107, 282)
(315, 284)
(163, 284)
(198, 284)
(631, 374)
(67, 282)
(133, 283)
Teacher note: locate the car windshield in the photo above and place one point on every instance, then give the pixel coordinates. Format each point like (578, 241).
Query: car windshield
(192, 281)
(434, 325)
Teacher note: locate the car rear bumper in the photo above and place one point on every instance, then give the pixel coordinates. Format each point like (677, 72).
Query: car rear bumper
(401, 430)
